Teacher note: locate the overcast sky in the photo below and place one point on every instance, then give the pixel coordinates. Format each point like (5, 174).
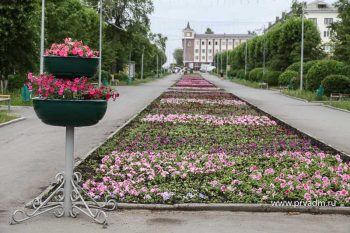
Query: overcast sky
(222, 16)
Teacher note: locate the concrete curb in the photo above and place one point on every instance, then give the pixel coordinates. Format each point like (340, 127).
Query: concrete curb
(12, 121)
(296, 98)
(267, 208)
(322, 103)
(335, 108)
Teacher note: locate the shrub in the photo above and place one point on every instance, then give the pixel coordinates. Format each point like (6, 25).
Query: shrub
(232, 73)
(346, 71)
(336, 84)
(296, 82)
(286, 77)
(241, 74)
(16, 81)
(121, 76)
(294, 67)
(320, 71)
(256, 74)
(271, 77)
(308, 65)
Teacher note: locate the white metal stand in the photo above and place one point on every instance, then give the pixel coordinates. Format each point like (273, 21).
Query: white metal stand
(68, 197)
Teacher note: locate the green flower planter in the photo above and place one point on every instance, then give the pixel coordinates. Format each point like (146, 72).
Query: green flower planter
(70, 67)
(74, 113)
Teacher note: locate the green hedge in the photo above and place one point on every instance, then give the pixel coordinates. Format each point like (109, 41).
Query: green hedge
(294, 67)
(271, 77)
(336, 84)
(241, 74)
(121, 76)
(286, 77)
(232, 73)
(308, 65)
(16, 81)
(320, 71)
(256, 74)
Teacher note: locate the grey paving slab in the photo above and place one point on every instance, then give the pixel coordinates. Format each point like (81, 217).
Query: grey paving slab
(328, 125)
(142, 221)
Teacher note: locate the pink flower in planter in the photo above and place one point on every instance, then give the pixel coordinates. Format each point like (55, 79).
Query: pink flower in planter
(307, 196)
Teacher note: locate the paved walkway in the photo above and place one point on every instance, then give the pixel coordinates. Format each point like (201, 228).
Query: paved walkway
(142, 221)
(31, 153)
(328, 125)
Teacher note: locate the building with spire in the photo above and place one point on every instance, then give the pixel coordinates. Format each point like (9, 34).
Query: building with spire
(200, 49)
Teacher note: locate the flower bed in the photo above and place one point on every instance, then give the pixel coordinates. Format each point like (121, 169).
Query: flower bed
(190, 147)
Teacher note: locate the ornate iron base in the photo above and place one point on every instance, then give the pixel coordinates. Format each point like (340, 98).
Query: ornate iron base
(55, 202)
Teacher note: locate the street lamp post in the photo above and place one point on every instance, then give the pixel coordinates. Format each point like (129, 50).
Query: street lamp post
(246, 58)
(302, 48)
(143, 51)
(226, 63)
(129, 69)
(157, 66)
(221, 63)
(42, 36)
(264, 52)
(100, 45)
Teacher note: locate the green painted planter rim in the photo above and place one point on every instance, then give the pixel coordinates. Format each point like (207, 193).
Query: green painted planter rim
(64, 100)
(71, 57)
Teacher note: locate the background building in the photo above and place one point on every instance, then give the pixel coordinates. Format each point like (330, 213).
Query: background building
(200, 49)
(323, 14)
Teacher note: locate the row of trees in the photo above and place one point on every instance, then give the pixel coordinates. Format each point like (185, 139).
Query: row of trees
(275, 56)
(126, 31)
(280, 44)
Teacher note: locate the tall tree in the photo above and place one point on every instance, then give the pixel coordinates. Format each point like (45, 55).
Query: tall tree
(178, 56)
(209, 31)
(341, 29)
(19, 36)
(297, 8)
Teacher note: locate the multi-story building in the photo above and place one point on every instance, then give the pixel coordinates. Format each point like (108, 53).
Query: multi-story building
(323, 14)
(201, 49)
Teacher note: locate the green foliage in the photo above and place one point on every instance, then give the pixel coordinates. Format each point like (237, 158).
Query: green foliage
(308, 65)
(294, 67)
(20, 29)
(296, 82)
(336, 84)
(241, 74)
(178, 55)
(320, 71)
(286, 77)
(121, 77)
(271, 77)
(341, 30)
(232, 73)
(256, 74)
(16, 81)
(19, 36)
(282, 43)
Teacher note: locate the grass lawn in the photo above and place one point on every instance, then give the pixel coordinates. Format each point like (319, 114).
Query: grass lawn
(140, 81)
(306, 95)
(16, 99)
(340, 104)
(5, 117)
(245, 82)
